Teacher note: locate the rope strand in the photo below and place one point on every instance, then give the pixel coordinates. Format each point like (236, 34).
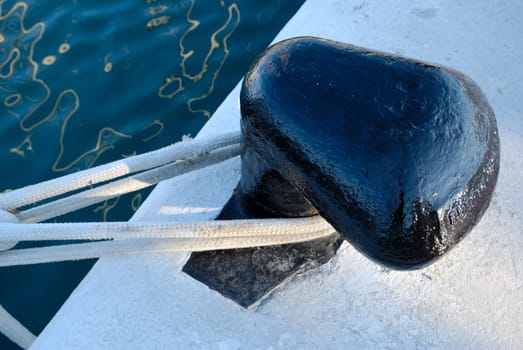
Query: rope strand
(131, 230)
(130, 184)
(90, 250)
(14, 330)
(55, 187)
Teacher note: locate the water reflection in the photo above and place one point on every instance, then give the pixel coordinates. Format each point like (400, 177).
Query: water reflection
(65, 111)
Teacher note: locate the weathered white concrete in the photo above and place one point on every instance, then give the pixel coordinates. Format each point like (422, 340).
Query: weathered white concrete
(470, 299)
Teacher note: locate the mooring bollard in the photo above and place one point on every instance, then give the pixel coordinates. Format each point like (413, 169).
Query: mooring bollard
(400, 156)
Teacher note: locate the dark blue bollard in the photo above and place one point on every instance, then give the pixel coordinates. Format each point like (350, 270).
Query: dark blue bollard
(400, 156)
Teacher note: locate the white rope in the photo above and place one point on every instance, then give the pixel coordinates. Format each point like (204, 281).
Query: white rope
(91, 250)
(51, 188)
(14, 330)
(7, 218)
(131, 230)
(154, 237)
(126, 185)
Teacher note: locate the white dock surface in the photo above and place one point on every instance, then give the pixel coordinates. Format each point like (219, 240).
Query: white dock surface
(472, 298)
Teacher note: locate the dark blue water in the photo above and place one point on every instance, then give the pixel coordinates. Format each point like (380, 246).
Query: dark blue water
(85, 82)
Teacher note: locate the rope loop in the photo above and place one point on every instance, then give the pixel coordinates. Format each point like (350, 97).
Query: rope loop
(125, 176)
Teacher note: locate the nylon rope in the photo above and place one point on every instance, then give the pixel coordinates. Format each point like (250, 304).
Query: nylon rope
(132, 183)
(146, 237)
(78, 251)
(139, 229)
(14, 330)
(6, 217)
(55, 187)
